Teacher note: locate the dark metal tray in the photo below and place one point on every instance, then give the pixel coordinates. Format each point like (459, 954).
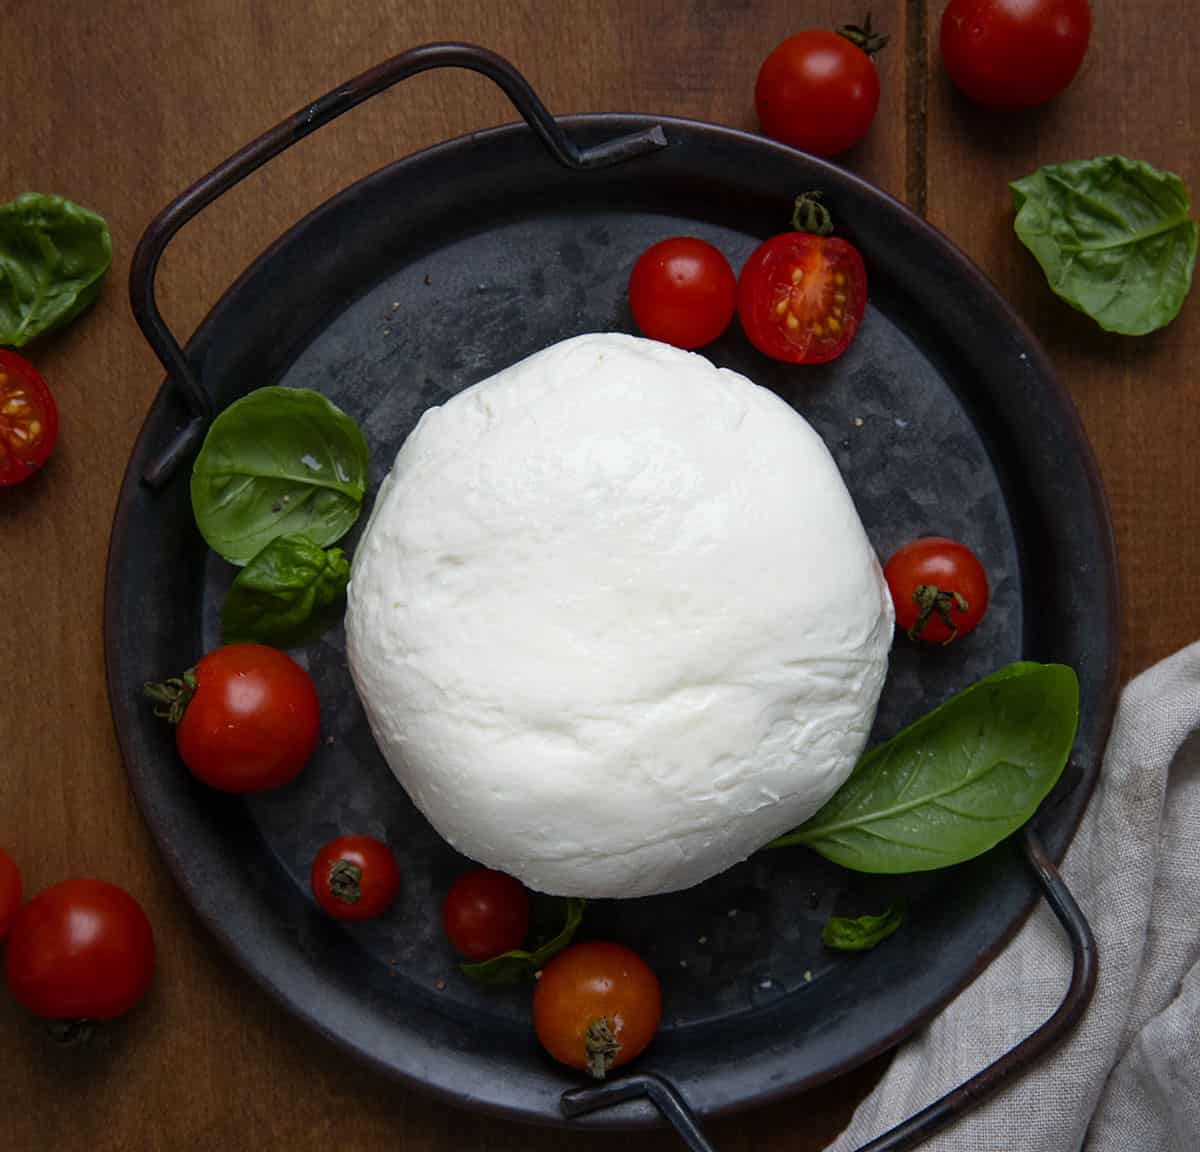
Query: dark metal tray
(944, 416)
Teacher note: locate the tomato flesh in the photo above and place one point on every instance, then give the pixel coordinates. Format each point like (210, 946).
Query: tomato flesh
(596, 1006)
(801, 297)
(10, 892)
(939, 589)
(1014, 53)
(28, 419)
(355, 878)
(486, 913)
(81, 950)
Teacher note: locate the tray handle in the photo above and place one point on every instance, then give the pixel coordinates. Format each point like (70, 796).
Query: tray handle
(958, 1101)
(189, 203)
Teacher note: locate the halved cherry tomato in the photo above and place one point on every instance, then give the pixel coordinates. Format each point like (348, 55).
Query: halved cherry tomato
(938, 587)
(81, 950)
(486, 913)
(10, 892)
(596, 1006)
(28, 419)
(801, 297)
(247, 717)
(354, 877)
(681, 291)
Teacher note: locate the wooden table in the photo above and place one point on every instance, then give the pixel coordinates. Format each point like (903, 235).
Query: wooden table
(119, 105)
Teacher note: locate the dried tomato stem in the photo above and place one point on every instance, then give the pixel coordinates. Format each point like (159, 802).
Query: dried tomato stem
(863, 36)
(70, 1033)
(344, 880)
(931, 599)
(602, 1047)
(171, 697)
(810, 215)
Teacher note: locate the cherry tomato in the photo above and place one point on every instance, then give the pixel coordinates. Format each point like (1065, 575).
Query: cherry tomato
(1014, 53)
(10, 892)
(81, 950)
(596, 1006)
(28, 419)
(818, 90)
(938, 587)
(801, 297)
(247, 717)
(355, 877)
(485, 913)
(682, 291)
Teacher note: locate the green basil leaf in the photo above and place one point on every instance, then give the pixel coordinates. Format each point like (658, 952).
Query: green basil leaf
(955, 783)
(862, 932)
(278, 461)
(53, 259)
(517, 965)
(1114, 236)
(279, 598)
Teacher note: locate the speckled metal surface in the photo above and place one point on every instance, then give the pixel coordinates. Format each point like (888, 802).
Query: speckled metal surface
(943, 417)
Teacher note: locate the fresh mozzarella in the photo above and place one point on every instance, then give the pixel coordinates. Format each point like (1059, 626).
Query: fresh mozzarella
(615, 621)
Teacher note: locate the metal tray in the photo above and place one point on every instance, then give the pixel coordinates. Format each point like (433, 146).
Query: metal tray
(944, 416)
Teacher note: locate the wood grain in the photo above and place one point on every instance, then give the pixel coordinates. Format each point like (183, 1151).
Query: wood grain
(120, 105)
(1136, 94)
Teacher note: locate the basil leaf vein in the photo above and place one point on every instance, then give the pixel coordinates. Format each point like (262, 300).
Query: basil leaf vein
(279, 461)
(281, 596)
(956, 782)
(54, 256)
(1114, 236)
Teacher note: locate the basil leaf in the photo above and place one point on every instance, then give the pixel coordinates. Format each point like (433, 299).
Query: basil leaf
(1114, 237)
(955, 783)
(279, 597)
(53, 259)
(278, 461)
(863, 932)
(517, 965)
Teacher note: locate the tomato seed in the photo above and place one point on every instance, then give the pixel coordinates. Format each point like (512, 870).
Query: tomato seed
(839, 279)
(797, 275)
(792, 322)
(15, 405)
(781, 307)
(839, 297)
(835, 325)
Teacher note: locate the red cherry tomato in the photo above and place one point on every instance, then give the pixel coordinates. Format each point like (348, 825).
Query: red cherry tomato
(250, 717)
(81, 950)
(681, 291)
(10, 892)
(485, 913)
(596, 1006)
(818, 92)
(28, 419)
(801, 297)
(355, 878)
(1014, 53)
(938, 587)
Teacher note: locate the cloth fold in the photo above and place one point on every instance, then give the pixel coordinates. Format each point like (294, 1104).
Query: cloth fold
(1129, 1077)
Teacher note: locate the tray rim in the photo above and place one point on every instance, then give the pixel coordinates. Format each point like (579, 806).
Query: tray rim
(631, 1116)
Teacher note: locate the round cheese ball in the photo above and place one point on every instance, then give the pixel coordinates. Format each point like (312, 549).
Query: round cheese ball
(615, 621)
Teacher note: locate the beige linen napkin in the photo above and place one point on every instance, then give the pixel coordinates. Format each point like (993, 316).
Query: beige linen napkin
(1129, 1077)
